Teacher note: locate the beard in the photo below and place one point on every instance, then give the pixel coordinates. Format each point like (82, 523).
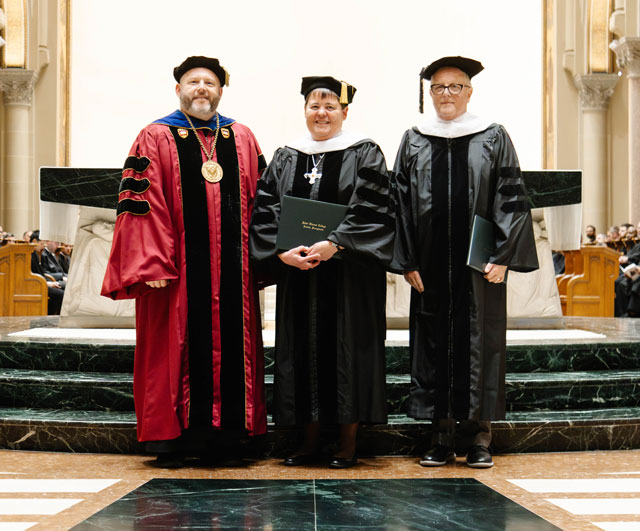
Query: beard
(189, 104)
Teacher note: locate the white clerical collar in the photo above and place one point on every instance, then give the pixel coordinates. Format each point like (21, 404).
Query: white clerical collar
(342, 140)
(463, 125)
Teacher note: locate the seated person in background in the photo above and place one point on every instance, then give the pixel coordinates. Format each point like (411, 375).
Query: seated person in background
(601, 240)
(26, 235)
(613, 234)
(50, 263)
(590, 234)
(42, 265)
(627, 285)
(622, 232)
(631, 233)
(558, 262)
(63, 256)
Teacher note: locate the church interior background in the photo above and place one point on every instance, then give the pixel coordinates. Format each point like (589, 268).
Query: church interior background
(78, 81)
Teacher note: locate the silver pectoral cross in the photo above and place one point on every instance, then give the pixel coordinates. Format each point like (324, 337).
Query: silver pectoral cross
(314, 175)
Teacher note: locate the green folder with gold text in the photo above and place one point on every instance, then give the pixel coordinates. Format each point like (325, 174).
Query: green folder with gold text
(482, 244)
(305, 221)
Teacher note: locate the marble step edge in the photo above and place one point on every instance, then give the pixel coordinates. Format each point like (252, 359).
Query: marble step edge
(520, 359)
(36, 376)
(124, 419)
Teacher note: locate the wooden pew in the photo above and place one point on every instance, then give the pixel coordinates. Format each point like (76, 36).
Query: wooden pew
(591, 292)
(573, 267)
(21, 291)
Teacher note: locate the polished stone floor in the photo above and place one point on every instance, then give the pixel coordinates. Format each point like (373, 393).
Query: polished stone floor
(570, 491)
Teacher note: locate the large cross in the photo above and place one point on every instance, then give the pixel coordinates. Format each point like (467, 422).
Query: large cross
(314, 175)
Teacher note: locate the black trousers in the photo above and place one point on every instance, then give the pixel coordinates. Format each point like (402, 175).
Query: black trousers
(469, 432)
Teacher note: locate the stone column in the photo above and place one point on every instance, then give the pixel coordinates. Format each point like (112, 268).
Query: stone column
(595, 92)
(17, 86)
(627, 50)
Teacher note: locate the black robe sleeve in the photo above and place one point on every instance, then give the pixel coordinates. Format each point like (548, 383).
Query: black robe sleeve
(405, 257)
(515, 243)
(264, 222)
(369, 225)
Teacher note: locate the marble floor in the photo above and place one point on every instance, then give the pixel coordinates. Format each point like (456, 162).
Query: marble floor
(571, 491)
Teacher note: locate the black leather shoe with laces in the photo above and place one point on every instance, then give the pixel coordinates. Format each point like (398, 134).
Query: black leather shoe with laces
(439, 455)
(479, 457)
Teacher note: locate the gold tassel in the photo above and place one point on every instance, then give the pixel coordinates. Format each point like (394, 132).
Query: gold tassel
(226, 76)
(344, 98)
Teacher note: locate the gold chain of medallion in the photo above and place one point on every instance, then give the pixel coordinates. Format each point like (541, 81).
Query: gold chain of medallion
(211, 170)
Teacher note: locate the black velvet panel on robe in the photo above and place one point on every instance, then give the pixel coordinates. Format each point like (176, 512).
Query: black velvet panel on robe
(450, 276)
(199, 289)
(315, 311)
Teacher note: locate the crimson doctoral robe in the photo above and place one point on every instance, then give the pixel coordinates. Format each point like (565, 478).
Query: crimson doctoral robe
(198, 359)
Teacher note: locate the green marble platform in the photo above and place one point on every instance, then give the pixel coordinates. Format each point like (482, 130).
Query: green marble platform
(315, 504)
(76, 395)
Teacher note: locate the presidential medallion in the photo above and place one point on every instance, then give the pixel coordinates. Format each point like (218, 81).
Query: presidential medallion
(212, 171)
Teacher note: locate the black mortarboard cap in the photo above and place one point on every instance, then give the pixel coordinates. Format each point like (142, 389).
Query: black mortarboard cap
(199, 61)
(471, 67)
(344, 91)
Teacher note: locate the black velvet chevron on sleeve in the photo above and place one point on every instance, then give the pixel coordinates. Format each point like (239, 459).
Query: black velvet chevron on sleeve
(371, 175)
(510, 172)
(139, 208)
(137, 186)
(367, 194)
(373, 216)
(137, 164)
(515, 206)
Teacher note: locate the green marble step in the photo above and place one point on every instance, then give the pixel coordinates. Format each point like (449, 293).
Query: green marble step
(105, 357)
(524, 392)
(114, 432)
(572, 390)
(66, 390)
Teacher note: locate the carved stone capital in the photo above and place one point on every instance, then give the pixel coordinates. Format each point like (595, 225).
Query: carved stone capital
(595, 90)
(17, 85)
(627, 50)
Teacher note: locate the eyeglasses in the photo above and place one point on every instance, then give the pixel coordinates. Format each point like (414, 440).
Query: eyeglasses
(454, 89)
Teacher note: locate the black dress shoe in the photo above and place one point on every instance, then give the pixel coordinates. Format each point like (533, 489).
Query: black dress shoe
(439, 455)
(300, 460)
(479, 457)
(169, 460)
(342, 462)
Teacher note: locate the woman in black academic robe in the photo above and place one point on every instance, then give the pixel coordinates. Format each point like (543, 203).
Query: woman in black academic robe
(330, 305)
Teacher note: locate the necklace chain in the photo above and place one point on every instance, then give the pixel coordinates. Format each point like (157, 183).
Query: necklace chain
(215, 138)
(313, 159)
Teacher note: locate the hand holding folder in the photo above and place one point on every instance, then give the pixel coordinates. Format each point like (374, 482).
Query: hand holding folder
(482, 245)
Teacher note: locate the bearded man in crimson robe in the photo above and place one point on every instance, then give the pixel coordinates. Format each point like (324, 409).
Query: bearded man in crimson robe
(180, 248)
